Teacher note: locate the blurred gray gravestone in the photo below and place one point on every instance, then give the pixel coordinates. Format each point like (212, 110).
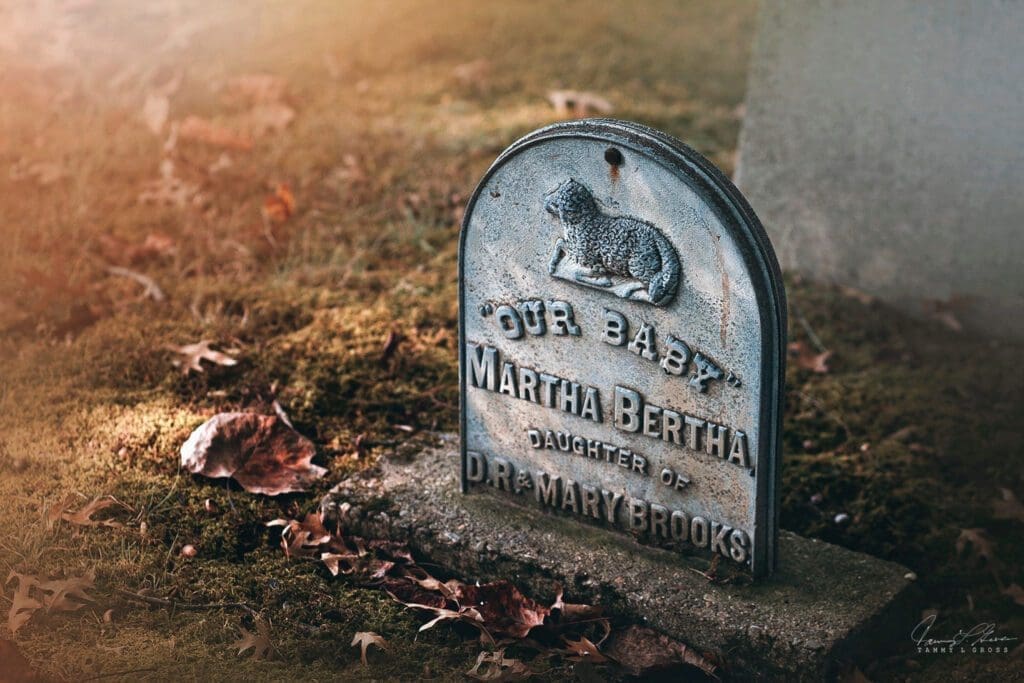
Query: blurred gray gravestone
(883, 148)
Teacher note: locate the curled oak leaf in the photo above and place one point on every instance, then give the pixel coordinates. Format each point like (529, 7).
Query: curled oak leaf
(192, 354)
(569, 612)
(495, 666)
(260, 452)
(258, 641)
(364, 639)
(466, 615)
(977, 542)
(338, 563)
(302, 539)
(584, 650)
(55, 512)
(23, 605)
(1009, 507)
(643, 651)
(406, 591)
(806, 359)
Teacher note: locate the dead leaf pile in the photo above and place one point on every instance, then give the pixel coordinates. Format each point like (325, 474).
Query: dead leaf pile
(498, 610)
(32, 594)
(260, 452)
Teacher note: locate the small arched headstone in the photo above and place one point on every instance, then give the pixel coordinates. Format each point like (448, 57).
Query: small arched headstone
(622, 337)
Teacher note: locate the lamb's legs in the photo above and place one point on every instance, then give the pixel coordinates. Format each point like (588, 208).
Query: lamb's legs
(556, 255)
(592, 276)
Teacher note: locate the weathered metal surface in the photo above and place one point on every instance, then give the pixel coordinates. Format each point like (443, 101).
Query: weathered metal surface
(621, 342)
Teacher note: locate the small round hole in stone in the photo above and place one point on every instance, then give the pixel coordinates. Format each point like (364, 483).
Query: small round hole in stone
(613, 156)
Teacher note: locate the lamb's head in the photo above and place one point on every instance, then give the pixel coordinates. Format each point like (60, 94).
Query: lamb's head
(571, 202)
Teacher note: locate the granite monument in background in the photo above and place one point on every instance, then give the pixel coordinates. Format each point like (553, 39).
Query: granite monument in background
(883, 147)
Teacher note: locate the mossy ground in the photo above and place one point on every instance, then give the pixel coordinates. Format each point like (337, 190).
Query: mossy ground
(387, 143)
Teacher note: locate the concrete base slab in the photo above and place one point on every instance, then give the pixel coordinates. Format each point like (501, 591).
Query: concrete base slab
(825, 606)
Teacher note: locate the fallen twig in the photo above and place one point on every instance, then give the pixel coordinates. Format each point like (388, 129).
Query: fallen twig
(183, 606)
(152, 288)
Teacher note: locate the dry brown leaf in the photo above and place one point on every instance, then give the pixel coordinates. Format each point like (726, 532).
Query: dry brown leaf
(62, 590)
(504, 609)
(55, 595)
(260, 452)
(976, 540)
(578, 103)
(466, 615)
(364, 639)
(197, 129)
(495, 666)
(192, 354)
(303, 539)
(807, 359)
(643, 651)
(570, 612)
(84, 516)
(279, 207)
(584, 650)
(23, 605)
(259, 641)
(1009, 507)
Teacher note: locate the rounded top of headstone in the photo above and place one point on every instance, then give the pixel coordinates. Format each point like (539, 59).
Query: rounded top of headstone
(622, 340)
(703, 177)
